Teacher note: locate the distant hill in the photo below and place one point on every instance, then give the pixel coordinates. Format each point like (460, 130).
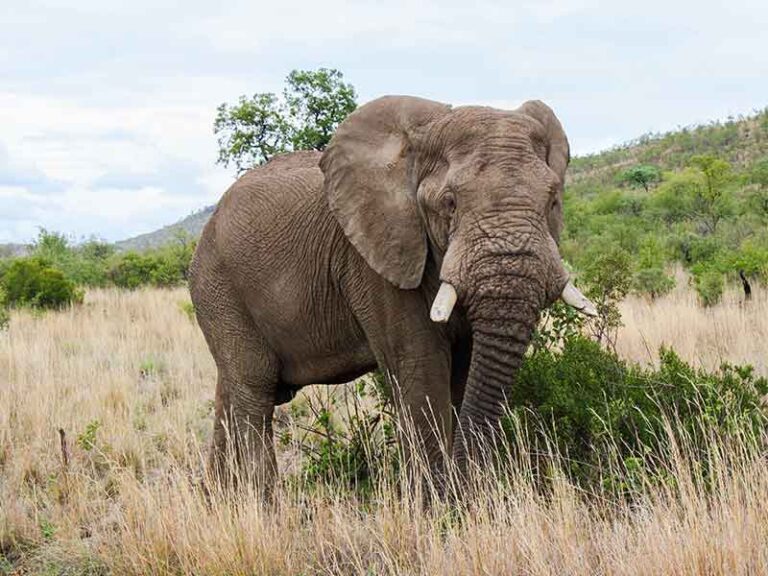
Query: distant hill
(192, 225)
(740, 140)
(13, 250)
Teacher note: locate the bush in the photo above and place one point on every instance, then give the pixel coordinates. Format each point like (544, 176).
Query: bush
(31, 282)
(355, 450)
(607, 277)
(132, 270)
(652, 281)
(4, 315)
(595, 403)
(85, 265)
(709, 286)
(163, 267)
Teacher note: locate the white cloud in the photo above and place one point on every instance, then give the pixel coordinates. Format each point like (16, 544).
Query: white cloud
(106, 107)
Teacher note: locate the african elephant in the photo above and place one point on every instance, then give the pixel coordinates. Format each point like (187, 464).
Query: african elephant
(423, 241)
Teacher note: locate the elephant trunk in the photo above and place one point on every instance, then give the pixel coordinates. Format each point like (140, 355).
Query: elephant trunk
(499, 343)
(502, 293)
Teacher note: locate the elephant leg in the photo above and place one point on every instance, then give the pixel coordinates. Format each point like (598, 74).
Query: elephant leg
(425, 412)
(417, 358)
(248, 373)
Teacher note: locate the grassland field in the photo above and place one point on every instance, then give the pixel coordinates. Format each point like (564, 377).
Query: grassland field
(106, 412)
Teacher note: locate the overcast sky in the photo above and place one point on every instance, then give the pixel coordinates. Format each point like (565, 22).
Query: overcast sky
(106, 108)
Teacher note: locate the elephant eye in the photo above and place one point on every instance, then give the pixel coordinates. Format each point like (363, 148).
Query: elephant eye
(448, 203)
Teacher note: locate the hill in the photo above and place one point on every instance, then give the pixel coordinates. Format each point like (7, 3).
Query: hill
(191, 225)
(740, 141)
(695, 198)
(13, 250)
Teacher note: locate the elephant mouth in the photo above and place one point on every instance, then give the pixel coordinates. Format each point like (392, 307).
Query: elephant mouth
(446, 297)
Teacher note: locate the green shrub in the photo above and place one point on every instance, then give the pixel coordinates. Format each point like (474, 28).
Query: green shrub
(5, 317)
(709, 286)
(31, 282)
(351, 452)
(163, 267)
(654, 282)
(594, 403)
(84, 264)
(607, 277)
(132, 270)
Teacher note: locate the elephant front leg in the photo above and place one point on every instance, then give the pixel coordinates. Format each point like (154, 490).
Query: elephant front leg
(421, 391)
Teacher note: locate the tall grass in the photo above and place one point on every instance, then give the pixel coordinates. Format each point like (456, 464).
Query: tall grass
(129, 380)
(734, 330)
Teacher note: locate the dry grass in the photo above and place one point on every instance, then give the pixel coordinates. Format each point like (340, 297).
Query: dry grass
(137, 370)
(732, 331)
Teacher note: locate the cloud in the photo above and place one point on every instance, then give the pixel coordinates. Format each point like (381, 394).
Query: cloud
(106, 107)
(112, 171)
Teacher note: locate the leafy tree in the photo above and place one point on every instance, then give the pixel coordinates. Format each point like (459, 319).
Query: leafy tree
(317, 102)
(84, 264)
(652, 281)
(673, 200)
(641, 176)
(256, 128)
(711, 201)
(607, 276)
(51, 246)
(251, 131)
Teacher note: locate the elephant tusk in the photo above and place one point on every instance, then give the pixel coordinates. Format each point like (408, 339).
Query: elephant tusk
(573, 297)
(443, 304)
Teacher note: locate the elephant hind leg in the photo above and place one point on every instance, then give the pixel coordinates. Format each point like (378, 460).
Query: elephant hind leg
(248, 374)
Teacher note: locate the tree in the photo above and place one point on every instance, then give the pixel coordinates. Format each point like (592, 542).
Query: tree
(256, 128)
(250, 132)
(642, 175)
(712, 202)
(672, 201)
(317, 103)
(607, 277)
(53, 246)
(716, 171)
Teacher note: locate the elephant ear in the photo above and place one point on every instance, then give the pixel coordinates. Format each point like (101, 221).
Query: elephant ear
(558, 151)
(370, 184)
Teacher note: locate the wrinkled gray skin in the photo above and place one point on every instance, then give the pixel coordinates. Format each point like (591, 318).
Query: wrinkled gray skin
(316, 269)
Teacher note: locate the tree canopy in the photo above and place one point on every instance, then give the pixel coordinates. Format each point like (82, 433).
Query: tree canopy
(304, 117)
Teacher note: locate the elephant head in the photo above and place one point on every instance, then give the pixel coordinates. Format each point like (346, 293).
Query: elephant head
(480, 190)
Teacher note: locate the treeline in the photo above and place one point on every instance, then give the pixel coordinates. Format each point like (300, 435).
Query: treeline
(704, 212)
(56, 271)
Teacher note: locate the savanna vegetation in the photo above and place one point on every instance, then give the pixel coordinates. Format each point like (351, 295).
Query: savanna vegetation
(634, 443)
(695, 198)
(607, 468)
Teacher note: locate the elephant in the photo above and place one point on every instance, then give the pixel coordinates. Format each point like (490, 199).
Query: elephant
(423, 241)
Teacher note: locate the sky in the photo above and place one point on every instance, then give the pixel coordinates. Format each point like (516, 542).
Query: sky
(106, 108)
